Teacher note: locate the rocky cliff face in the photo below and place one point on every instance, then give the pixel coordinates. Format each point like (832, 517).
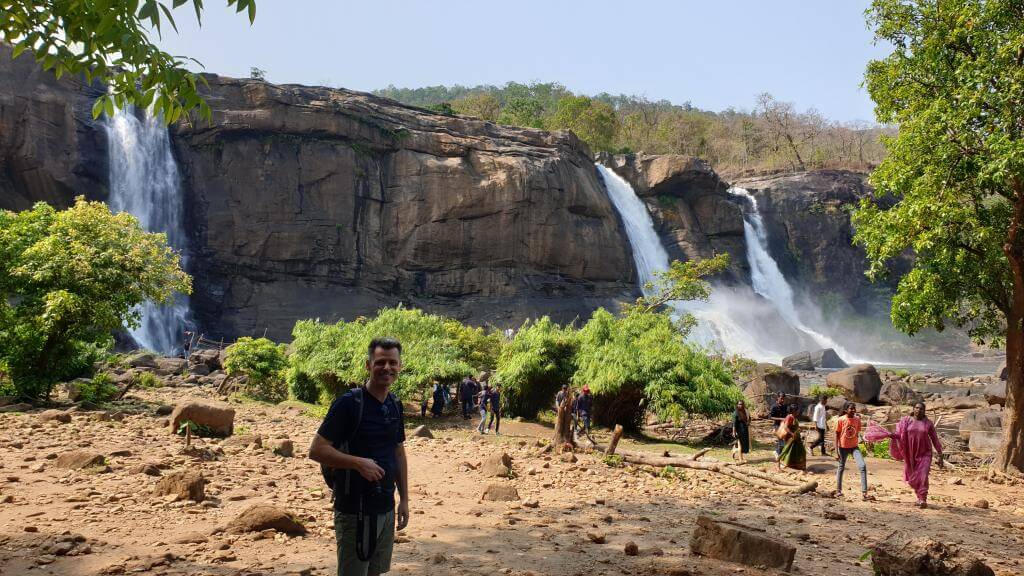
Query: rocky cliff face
(50, 148)
(811, 238)
(691, 210)
(313, 202)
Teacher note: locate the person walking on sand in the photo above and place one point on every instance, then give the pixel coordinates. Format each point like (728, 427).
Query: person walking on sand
(793, 454)
(778, 414)
(847, 444)
(484, 395)
(361, 448)
(915, 436)
(494, 399)
(821, 424)
(741, 430)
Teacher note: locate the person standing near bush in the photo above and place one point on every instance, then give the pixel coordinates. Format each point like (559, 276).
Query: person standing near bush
(741, 429)
(560, 396)
(483, 396)
(494, 399)
(438, 407)
(821, 424)
(467, 392)
(584, 407)
(360, 445)
(778, 414)
(847, 440)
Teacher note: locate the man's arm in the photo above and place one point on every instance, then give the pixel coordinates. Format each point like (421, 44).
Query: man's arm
(321, 451)
(402, 481)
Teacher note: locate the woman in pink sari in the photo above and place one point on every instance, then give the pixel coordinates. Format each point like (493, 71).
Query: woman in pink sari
(912, 442)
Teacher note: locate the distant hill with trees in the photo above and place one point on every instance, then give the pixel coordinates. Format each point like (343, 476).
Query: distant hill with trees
(773, 136)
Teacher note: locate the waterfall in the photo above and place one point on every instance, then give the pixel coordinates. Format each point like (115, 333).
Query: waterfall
(144, 182)
(759, 322)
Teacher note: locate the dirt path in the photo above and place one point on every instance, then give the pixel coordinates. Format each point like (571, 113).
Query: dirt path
(125, 528)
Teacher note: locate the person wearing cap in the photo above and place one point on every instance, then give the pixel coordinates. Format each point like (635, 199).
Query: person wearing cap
(560, 397)
(584, 405)
(778, 414)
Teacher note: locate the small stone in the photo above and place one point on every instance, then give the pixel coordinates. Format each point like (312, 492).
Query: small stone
(596, 537)
(283, 447)
(955, 481)
(531, 503)
(632, 549)
(31, 529)
(421, 432)
(981, 503)
(55, 416)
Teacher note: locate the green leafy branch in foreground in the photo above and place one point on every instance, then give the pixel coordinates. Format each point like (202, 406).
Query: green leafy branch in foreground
(108, 41)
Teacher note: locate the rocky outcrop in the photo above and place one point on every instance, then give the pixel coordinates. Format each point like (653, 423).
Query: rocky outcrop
(315, 202)
(690, 206)
(50, 148)
(811, 238)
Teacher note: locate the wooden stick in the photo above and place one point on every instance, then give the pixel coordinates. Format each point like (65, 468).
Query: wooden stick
(616, 436)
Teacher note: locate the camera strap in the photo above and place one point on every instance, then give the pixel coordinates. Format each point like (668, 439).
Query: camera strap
(366, 532)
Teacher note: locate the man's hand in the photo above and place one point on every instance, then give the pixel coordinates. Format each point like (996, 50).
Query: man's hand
(369, 470)
(402, 516)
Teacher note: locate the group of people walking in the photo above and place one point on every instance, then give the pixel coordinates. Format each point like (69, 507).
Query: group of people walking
(912, 442)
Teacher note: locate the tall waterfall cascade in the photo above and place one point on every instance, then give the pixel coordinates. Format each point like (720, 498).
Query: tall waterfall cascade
(144, 182)
(761, 321)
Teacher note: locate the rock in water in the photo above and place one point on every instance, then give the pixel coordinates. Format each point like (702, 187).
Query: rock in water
(185, 484)
(899, 555)
(827, 358)
(422, 432)
(798, 361)
(218, 418)
(500, 493)
(737, 543)
(265, 517)
(860, 383)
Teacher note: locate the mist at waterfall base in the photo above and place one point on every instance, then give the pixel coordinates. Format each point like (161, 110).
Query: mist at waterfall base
(767, 320)
(144, 182)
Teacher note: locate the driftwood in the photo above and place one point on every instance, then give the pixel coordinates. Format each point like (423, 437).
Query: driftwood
(745, 475)
(564, 433)
(614, 443)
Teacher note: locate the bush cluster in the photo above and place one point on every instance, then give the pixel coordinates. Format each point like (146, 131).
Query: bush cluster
(263, 363)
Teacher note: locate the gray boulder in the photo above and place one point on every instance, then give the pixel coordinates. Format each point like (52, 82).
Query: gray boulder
(900, 554)
(741, 544)
(995, 393)
(985, 442)
(1002, 372)
(981, 420)
(896, 393)
(860, 383)
(827, 358)
(798, 361)
(769, 380)
(170, 366)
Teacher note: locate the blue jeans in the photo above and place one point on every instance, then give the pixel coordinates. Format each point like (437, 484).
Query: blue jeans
(483, 420)
(859, 459)
(779, 445)
(467, 407)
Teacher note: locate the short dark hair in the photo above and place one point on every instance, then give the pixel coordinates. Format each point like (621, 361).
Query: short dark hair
(794, 408)
(385, 343)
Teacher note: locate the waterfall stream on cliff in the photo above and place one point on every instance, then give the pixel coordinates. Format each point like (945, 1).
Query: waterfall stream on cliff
(144, 182)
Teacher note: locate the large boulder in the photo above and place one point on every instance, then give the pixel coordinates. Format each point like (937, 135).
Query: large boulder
(170, 366)
(183, 485)
(204, 361)
(995, 393)
(827, 358)
(985, 442)
(860, 383)
(900, 554)
(142, 360)
(80, 459)
(741, 544)
(265, 517)
(769, 380)
(896, 393)
(497, 466)
(798, 361)
(981, 420)
(219, 419)
(500, 492)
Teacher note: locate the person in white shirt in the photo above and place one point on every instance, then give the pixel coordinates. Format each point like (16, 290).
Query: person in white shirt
(821, 423)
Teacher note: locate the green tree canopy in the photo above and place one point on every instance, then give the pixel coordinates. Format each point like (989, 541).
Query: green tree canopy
(593, 121)
(532, 367)
(109, 41)
(954, 84)
(68, 280)
(484, 106)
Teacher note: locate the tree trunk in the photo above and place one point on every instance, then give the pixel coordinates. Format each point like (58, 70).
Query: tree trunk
(796, 152)
(563, 424)
(614, 443)
(1010, 456)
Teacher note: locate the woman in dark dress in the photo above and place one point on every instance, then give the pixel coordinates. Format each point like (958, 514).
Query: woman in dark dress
(741, 429)
(438, 408)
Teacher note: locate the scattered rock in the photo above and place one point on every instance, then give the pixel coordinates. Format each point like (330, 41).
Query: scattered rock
(897, 393)
(183, 484)
(737, 543)
(531, 503)
(242, 441)
(955, 481)
(55, 416)
(981, 419)
(798, 361)
(632, 549)
(265, 517)
(899, 555)
(146, 468)
(827, 358)
(981, 503)
(194, 538)
(497, 466)
(860, 383)
(219, 419)
(80, 459)
(768, 381)
(995, 393)
(283, 447)
(985, 442)
(203, 362)
(422, 432)
(500, 493)
(141, 360)
(596, 537)
(170, 366)
(19, 407)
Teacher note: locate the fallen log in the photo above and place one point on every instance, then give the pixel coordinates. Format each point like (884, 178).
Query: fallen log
(614, 443)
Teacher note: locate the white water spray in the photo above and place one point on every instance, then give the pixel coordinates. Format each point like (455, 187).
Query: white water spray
(144, 182)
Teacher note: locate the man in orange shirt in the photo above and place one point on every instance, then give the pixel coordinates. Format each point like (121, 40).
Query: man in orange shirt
(847, 439)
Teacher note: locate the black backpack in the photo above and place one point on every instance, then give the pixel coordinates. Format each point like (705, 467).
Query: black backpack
(331, 474)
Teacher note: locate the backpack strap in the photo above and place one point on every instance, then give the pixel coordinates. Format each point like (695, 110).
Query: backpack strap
(343, 446)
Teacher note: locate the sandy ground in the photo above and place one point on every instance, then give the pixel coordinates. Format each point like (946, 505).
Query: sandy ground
(122, 527)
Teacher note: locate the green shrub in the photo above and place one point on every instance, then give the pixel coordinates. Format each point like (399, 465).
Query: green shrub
(672, 473)
(613, 460)
(826, 391)
(535, 364)
(147, 380)
(196, 429)
(303, 387)
(875, 449)
(263, 363)
(100, 388)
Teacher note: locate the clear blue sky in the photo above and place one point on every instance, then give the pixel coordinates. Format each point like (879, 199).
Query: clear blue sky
(715, 54)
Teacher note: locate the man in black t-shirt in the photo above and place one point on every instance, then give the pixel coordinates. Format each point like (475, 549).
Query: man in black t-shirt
(370, 465)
